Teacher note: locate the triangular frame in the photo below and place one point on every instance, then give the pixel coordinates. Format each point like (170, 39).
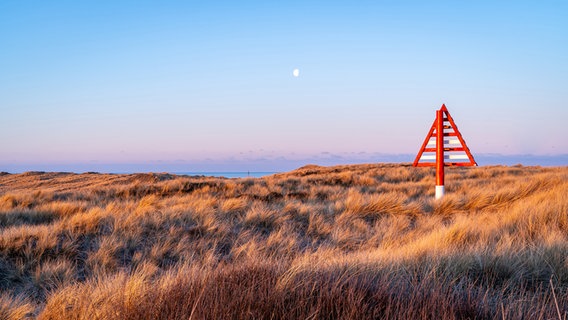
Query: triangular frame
(432, 134)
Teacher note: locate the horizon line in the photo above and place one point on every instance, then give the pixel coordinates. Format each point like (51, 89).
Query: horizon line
(264, 164)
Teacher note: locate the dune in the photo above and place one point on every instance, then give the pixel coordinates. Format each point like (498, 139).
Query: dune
(345, 242)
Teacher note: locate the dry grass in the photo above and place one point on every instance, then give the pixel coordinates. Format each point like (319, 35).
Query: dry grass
(345, 242)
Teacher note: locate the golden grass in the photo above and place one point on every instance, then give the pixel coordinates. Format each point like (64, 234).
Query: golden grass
(344, 242)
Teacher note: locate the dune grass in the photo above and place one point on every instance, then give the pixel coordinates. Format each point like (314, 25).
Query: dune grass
(344, 242)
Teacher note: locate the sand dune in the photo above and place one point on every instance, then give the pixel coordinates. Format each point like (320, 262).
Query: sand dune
(344, 242)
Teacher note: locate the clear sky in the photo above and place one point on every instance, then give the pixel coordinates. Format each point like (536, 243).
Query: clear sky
(120, 82)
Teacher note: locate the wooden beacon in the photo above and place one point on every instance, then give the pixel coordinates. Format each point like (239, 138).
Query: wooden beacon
(443, 142)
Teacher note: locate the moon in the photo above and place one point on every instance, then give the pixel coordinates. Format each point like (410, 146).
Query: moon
(296, 72)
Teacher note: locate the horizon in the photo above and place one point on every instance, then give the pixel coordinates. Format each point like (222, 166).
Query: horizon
(270, 165)
(215, 85)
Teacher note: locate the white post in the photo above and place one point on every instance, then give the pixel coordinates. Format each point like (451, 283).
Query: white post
(439, 192)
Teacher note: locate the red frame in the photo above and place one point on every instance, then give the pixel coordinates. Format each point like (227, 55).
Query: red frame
(444, 115)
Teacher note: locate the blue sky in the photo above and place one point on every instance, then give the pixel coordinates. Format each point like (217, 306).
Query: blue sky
(195, 82)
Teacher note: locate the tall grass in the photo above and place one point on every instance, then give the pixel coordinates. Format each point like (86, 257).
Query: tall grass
(344, 242)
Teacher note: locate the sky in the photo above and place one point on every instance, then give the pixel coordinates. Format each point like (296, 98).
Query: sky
(209, 85)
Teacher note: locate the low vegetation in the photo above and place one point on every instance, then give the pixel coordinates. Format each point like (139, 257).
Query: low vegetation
(345, 242)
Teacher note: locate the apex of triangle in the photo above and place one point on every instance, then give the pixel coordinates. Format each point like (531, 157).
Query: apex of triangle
(443, 108)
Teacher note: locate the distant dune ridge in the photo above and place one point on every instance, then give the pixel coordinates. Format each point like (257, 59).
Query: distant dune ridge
(344, 242)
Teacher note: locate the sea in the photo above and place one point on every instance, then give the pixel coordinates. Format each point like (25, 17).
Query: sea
(245, 174)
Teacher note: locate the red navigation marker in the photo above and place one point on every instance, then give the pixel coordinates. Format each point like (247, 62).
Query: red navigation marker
(443, 142)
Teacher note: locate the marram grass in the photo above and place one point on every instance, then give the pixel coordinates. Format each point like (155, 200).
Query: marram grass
(345, 242)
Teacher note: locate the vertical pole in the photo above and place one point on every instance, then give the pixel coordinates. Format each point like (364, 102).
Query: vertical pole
(439, 154)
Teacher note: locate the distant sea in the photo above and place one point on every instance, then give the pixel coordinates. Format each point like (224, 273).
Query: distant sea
(245, 174)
